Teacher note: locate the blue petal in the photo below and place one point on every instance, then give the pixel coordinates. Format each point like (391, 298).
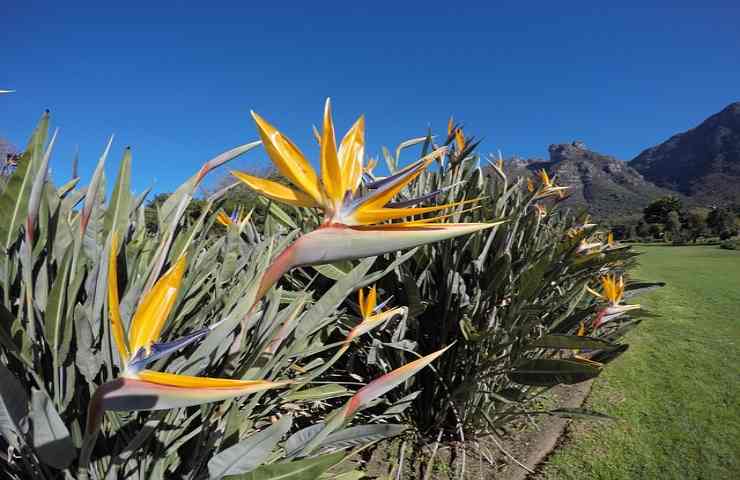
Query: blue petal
(378, 187)
(158, 350)
(414, 201)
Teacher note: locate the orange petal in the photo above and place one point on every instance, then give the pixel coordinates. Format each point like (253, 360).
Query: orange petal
(331, 175)
(276, 191)
(288, 159)
(372, 301)
(155, 307)
(378, 215)
(223, 219)
(119, 335)
(351, 153)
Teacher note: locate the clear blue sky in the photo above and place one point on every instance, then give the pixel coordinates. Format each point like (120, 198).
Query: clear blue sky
(177, 82)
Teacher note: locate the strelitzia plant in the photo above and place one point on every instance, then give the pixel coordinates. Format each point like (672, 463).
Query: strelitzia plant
(237, 218)
(612, 291)
(372, 315)
(355, 212)
(547, 187)
(138, 388)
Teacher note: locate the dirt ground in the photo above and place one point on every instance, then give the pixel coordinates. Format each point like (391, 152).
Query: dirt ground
(529, 443)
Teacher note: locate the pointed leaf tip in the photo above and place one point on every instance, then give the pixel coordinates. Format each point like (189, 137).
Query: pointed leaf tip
(389, 381)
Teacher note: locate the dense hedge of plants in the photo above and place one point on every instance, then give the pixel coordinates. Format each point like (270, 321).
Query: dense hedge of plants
(513, 302)
(160, 346)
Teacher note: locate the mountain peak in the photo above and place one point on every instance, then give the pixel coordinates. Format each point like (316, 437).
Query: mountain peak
(606, 186)
(703, 162)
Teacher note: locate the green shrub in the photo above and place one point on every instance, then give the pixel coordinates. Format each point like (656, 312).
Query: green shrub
(730, 245)
(60, 363)
(505, 309)
(509, 301)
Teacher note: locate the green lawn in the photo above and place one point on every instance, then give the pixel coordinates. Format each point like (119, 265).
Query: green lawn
(676, 392)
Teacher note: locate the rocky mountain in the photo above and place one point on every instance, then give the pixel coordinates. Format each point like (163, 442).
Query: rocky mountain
(607, 187)
(703, 163)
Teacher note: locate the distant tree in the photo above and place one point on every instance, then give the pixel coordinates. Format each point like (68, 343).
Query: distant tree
(722, 222)
(694, 225)
(642, 229)
(656, 230)
(673, 225)
(657, 212)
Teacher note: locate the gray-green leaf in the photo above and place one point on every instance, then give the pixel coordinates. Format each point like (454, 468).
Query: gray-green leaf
(51, 439)
(250, 453)
(13, 405)
(309, 469)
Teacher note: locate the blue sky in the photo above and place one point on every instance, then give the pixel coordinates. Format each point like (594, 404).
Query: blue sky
(177, 82)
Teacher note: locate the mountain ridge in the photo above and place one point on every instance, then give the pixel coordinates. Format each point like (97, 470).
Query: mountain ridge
(606, 186)
(702, 163)
(701, 166)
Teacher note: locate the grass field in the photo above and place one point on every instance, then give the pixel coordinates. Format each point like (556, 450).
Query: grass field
(676, 392)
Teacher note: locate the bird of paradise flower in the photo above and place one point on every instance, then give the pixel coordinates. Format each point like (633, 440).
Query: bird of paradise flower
(612, 291)
(138, 388)
(355, 212)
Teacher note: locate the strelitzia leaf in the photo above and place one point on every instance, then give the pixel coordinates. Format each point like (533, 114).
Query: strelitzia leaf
(334, 271)
(638, 288)
(324, 392)
(607, 356)
(51, 439)
(94, 188)
(56, 318)
(408, 144)
(279, 214)
(367, 394)
(170, 205)
(13, 406)
(308, 469)
(117, 213)
(14, 198)
(34, 200)
(322, 309)
(250, 453)
(360, 435)
(299, 439)
(546, 372)
(572, 342)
